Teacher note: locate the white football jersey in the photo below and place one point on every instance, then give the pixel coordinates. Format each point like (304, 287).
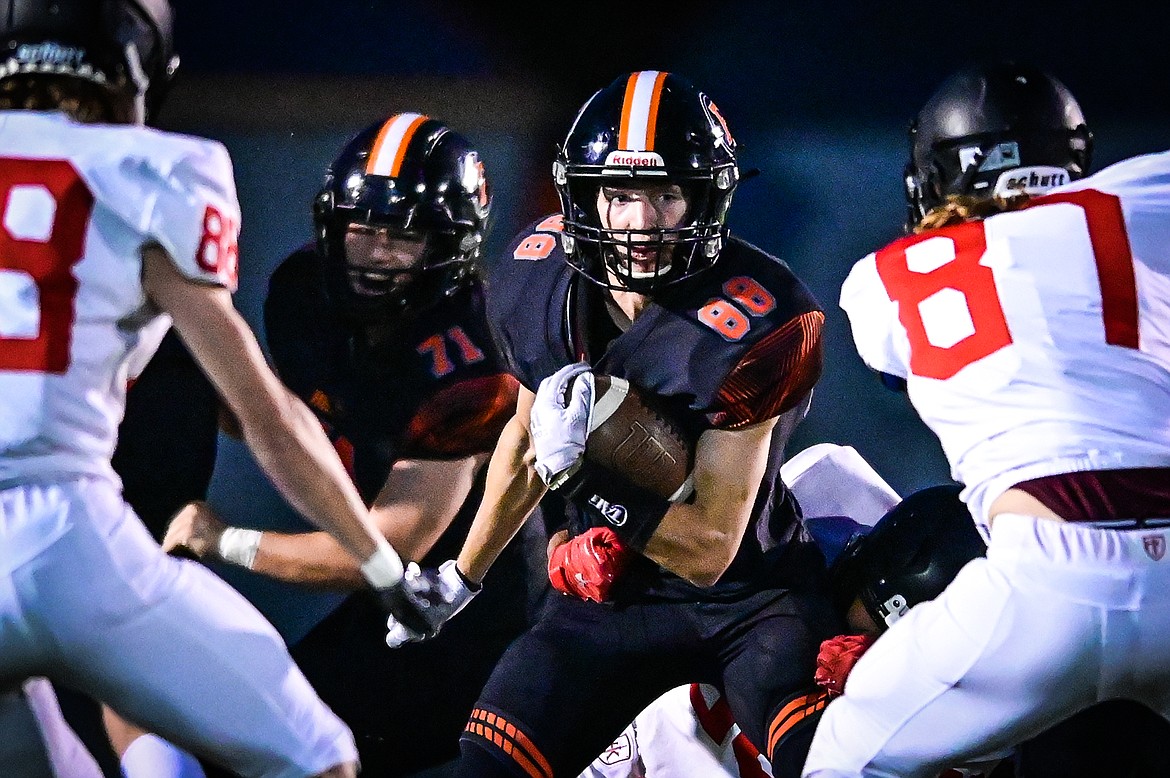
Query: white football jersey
(78, 202)
(1035, 342)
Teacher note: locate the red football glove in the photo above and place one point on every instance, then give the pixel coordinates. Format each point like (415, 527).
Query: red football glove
(587, 565)
(836, 660)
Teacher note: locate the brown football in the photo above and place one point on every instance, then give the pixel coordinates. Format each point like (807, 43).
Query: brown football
(630, 436)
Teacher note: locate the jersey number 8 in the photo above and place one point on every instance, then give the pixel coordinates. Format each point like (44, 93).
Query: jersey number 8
(44, 212)
(976, 283)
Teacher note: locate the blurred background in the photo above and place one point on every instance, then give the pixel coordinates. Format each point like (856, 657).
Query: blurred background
(819, 96)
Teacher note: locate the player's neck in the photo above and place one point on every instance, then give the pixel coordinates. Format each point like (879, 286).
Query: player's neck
(630, 303)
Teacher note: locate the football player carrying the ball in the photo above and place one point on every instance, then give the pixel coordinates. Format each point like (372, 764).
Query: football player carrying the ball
(638, 278)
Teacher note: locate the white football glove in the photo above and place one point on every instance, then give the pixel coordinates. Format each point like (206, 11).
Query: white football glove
(560, 421)
(435, 596)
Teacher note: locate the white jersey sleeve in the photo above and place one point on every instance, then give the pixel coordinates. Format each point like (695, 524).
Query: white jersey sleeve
(179, 192)
(1034, 342)
(873, 316)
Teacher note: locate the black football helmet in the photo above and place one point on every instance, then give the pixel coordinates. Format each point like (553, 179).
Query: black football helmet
(992, 130)
(123, 45)
(419, 178)
(646, 128)
(910, 555)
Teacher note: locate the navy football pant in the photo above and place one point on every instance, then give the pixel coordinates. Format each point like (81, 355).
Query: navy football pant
(568, 686)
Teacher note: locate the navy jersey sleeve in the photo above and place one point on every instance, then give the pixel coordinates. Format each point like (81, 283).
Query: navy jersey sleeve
(526, 289)
(774, 375)
(463, 419)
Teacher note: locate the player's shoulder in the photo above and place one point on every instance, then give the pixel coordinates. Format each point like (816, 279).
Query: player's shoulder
(1145, 172)
(768, 287)
(739, 257)
(534, 248)
(527, 269)
(120, 156)
(105, 154)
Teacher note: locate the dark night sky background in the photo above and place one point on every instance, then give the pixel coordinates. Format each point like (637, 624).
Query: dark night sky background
(789, 59)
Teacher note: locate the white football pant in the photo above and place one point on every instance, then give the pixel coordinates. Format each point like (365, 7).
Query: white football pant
(89, 598)
(1056, 618)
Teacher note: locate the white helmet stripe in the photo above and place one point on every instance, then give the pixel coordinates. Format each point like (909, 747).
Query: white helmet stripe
(391, 143)
(640, 111)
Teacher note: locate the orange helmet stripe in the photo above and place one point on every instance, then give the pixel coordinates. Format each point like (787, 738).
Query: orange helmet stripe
(640, 110)
(391, 144)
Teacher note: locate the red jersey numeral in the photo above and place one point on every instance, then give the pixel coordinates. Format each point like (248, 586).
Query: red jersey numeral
(218, 251)
(1110, 241)
(963, 274)
(965, 244)
(45, 209)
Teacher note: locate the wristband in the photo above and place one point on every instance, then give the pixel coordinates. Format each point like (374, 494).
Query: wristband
(632, 512)
(239, 546)
(384, 567)
(471, 585)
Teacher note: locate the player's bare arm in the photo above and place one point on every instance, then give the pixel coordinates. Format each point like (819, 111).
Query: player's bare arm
(698, 540)
(285, 437)
(414, 507)
(512, 492)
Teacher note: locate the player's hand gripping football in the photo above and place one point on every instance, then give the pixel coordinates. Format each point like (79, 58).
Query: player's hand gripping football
(195, 529)
(588, 565)
(560, 422)
(836, 659)
(424, 601)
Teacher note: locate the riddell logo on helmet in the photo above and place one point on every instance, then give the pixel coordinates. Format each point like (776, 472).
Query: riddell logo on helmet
(615, 514)
(634, 159)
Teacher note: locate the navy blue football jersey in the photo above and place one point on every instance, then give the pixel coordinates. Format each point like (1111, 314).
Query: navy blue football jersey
(735, 345)
(433, 387)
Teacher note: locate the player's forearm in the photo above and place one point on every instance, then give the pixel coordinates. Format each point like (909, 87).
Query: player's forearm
(312, 559)
(298, 458)
(282, 432)
(511, 493)
(698, 540)
(694, 544)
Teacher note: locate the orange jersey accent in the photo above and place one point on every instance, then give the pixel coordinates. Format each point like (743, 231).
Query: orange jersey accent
(464, 419)
(751, 392)
(792, 714)
(497, 730)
